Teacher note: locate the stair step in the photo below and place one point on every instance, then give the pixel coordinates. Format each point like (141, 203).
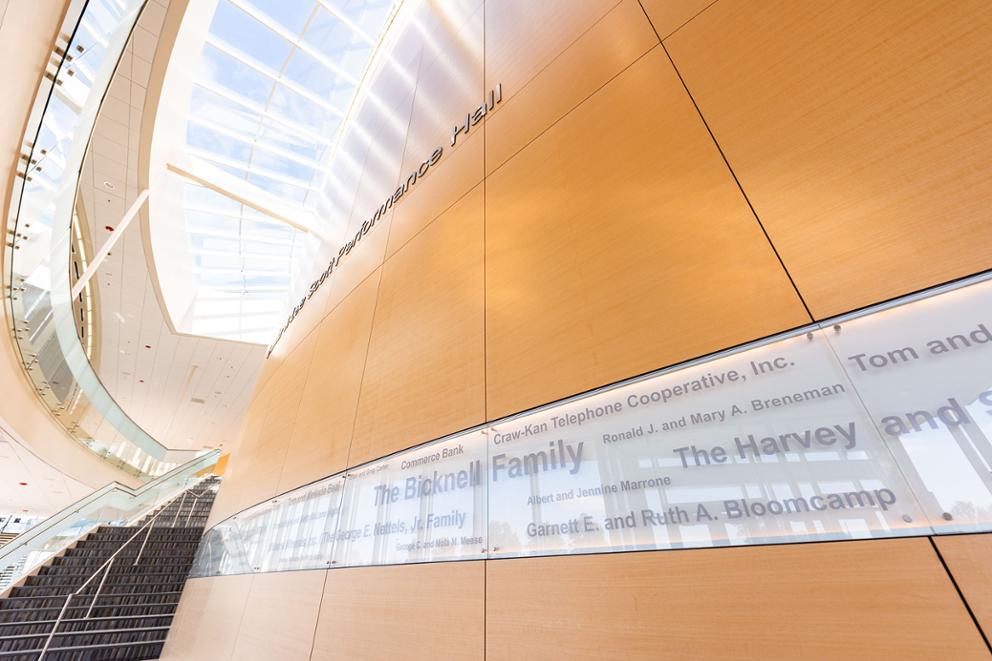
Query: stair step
(80, 619)
(168, 608)
(131, 615)
(81, 632)
(80, 648)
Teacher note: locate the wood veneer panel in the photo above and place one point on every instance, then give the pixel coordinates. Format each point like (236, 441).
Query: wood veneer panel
(207, 621)
(382, 123)
(667, 16)
(256, 467)
(618, 242)
(449, 84)
(878, 599)
(459, 171)
(535, 99)
(969, 557)
(322, 432)
(430, 611)
(280, 616)
(860, 132)
(523, 37)
(424, 376)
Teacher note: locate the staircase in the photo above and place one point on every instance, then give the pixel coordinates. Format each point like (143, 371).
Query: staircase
(124, 583)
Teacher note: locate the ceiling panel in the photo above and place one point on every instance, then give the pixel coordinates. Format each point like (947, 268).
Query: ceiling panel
(153, 373)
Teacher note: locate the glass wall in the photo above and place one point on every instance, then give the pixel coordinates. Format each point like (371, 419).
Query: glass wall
(875, 424)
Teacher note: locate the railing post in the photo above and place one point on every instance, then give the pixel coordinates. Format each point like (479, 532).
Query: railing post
(178, 510)
(151, 524)
(98, 588)
(196, 499)
(106, 572)
(58, 620)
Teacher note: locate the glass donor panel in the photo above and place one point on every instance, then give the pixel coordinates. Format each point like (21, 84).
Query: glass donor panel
(870, 425)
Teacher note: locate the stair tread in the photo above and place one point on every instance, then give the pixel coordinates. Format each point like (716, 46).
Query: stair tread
(76, 648)
(28, 623)
(47, 600)
(83, 632)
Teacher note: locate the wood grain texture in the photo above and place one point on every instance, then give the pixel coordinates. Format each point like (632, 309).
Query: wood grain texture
(459, 171)
(860, 132)
(969, 557)
(326, 417)
(280, 616)
(879, 599)
(532, 104)
(424, 376)
(667, 16)
(523, 37)
(255, 471)
(432, 611)
(449, 84)
(617, 243)
(208, 619)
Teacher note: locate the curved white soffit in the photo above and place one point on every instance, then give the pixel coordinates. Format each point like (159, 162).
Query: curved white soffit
(168, 239)
(171, 167)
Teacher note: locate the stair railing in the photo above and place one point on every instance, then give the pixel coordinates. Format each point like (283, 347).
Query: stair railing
(112, 503)
(105, 568)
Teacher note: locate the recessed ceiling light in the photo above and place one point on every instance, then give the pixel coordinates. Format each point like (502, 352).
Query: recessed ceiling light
(109, 185)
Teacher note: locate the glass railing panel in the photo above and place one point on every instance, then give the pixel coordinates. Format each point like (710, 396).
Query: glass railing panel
(45, 325)
(114, 504)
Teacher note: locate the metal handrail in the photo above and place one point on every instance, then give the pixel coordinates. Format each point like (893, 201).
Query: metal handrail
(105, 567)
(42, 527)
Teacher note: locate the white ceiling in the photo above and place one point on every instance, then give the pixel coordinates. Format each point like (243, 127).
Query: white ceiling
(187, 392)
(46, 491)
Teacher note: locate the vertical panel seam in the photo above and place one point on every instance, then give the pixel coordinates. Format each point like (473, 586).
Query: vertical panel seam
(296, 414)
(957, 589)
(316, 623)
(485, 328)
(382, 268)
(241, 619)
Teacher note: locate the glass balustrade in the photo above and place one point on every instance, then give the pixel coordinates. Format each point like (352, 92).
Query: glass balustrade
(114, 504)
(53, 328)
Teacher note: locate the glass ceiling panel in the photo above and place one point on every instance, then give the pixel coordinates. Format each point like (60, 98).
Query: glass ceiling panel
(274, 82)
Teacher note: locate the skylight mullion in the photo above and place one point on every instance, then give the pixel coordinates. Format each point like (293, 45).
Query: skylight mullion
(238, 215)
(336, 13)
(275, 76)
(255, 142)
(260, 110)
(215, 234)
(250, 169)
(252, 289)
(207, 252)
(248, 273)
(264, 313)
(295, 39)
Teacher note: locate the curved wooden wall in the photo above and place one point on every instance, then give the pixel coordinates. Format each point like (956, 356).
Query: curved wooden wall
(662, 179)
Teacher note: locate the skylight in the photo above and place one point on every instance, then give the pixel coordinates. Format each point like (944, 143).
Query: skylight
(272, 85)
